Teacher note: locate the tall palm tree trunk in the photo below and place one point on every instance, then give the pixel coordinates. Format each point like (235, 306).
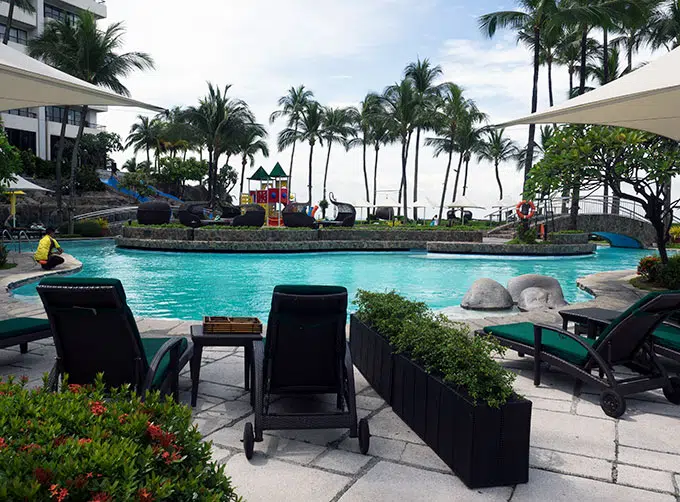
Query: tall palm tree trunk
(10, 17)
(292, 157)
(210, 167)
(605, 199)
(630, 57)
(368, 196)
(148, 155)
(498, 179)
(550, 84)
(455, 184)
(60, 159)
(309, 181)
(446, 182)
(404, 160)
(74, 165)
(415, 175)
(605, 55)
(325, 177)
(534, 103)
(375, 177)
(467, 164)
(213, 199)
(582, 76)
(244, 161)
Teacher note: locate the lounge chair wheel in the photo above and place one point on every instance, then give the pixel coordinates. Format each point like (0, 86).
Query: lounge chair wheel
(364, 436)
(248, 440)
(672, 392)
(612, 403)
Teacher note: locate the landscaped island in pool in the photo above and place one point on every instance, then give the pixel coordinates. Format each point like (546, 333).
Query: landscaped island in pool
(189, 285)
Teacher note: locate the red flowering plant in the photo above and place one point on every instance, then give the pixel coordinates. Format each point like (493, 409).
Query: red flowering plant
(650, 268)
(85, 444)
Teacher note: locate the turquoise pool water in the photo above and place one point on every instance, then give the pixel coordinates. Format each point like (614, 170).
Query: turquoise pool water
(190, 285)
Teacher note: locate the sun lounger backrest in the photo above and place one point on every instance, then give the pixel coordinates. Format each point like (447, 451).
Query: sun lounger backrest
(305, 345)
(94, 330)
(624, 336)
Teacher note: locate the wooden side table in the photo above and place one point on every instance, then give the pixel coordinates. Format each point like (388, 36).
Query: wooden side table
(201, 340)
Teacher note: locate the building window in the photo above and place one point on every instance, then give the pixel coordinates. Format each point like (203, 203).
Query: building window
(52, 12)
(23, 112)
(56, 113)
(23, 140)
(15, 34)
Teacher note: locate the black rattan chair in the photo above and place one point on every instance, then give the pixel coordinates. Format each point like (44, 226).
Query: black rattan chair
(626, 341)
(305, 353)
(347, 214)
(253, 216)
(294, 216)
(94, 332)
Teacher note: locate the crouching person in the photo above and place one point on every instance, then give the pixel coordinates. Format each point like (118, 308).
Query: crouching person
(48, 251)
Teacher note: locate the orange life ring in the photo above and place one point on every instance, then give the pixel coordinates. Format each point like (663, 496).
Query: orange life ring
(521, 211)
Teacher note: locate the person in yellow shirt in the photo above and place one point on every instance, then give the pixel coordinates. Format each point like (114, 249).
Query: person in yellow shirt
(48, 251)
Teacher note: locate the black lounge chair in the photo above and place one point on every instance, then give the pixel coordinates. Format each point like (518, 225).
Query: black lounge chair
(295, 216)
(94, 331)
(21, 330)
(191, 214)
(305, 353)
(253, 216)
(384, 213)
(625, 341)
(347, 214)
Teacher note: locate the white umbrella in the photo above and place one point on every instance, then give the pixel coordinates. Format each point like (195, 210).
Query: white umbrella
(647, 99)
(385, 200)
(26, 82)
(462, 202)
(17, 187)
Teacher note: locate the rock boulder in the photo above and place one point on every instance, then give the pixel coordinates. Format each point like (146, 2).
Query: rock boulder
(487, 294)
(533, 292)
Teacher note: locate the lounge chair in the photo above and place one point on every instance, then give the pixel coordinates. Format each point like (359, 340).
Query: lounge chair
(294, 216)
(94, 331)
(21, 330)
(305, 353)
(624, 341)
(347, 214)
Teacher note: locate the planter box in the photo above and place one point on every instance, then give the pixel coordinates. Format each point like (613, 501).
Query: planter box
(483, 446)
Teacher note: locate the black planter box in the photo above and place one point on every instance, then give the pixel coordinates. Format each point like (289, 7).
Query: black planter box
(483, 446)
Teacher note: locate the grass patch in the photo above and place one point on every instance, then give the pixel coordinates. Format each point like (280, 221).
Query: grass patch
(641, 283)
(7, 266)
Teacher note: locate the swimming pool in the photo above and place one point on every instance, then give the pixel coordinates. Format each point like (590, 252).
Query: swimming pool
(190, 285)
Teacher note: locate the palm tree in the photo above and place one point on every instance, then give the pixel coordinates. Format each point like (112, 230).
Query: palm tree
(24, 5)
(292, 106)
(665, 26)
(452, 110)
(218, 120)
(635, 31)
(496, 148)
(550, 40)
(362, 121)
(336, 128)
(86, 52)
(423, 76)
(381, 134)
(609, 71)
(308, 129)
(534, 17)
(469, 141)
(143, 135)
(569, 55)
(251, 142)
(401, 106)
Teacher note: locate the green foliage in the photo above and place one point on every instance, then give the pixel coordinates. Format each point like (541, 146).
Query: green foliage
(137, 181)
(35, 167)
(649, 268)
(10, 160)
(669, 276)
(323, 204)
(526, 234)
(175, 171)
(675, 232)
(81, 444)
(87, 180)
(3, 255)
(442, 347)
(88, 228)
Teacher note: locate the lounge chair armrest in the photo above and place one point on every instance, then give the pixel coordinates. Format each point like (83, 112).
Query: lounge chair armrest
(257, 386)
(578, 339)
(171, 345)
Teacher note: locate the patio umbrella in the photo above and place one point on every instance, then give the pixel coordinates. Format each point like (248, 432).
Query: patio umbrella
(463, 203)
(647, 99)
(18, 187)
(26, 82)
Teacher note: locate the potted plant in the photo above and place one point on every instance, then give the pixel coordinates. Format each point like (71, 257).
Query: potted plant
(446, 386)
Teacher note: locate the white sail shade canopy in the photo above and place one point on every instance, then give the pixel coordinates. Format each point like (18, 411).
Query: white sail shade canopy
(21, 184)
(647, 99)
(26, 82)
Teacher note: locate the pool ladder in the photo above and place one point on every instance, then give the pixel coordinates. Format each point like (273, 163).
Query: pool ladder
(12, 239)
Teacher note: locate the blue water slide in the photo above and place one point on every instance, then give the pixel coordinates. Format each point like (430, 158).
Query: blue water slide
(113, 183)
(166, 195)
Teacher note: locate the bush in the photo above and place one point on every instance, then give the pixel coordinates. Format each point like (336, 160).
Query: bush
(3, 255)
(442, 347)
(82, 445)
(669, 275)
(649, 268)
(525, 234)
(88, 228)
(675, 233)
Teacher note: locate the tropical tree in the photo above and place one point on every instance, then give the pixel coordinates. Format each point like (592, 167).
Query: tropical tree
(469, 140)
(551, 38)
(569, 55)
(497, 149)
(635, 31)
(309, 129)
(291, 107)
(423, 76)
(90, 54)
(144, 134)
(401, 106)
(362, 120)
(251, 141)
(336, 129)
(218, 119)
(381, 134)
(25, 5)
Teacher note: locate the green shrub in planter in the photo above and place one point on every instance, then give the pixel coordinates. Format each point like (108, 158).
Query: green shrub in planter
(443, 348)
(81, 444)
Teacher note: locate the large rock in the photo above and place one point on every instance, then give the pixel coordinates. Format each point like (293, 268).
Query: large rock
(533, 292)
(487, 294)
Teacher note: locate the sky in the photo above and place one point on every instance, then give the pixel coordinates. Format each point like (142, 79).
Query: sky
(340, 51)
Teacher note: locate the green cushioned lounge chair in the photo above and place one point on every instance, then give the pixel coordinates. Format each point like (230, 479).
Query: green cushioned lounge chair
(95, 332)
(624, 342)
(21, 330)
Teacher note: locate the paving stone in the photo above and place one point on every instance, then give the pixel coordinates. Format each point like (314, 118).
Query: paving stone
(343, 461)
(220, 391)
(653, 432)
(388, 425)
(288, 449)
(572, 434)
(554, 487)
(388, 481)
(540, 403)
(218, 454)
(226, 371)
(647, 458)
(380, 447)
(589, 406)
(570, 464)
(269, 479)
(228, 436)
(645, 478)
(369, 403)
(202, 402)
(655, 407)
(321, 437)
(229, 411)
(422, 455)
(553, 385)
(360, 382)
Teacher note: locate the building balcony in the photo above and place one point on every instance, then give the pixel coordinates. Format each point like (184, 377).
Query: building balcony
(22, 19)
(97, 7)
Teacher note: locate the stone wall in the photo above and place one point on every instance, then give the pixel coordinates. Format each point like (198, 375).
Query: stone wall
(511, 249)
(568, 238)
(642, 231)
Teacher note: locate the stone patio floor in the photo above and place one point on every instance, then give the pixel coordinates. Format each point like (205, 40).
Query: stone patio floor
(577, 453)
